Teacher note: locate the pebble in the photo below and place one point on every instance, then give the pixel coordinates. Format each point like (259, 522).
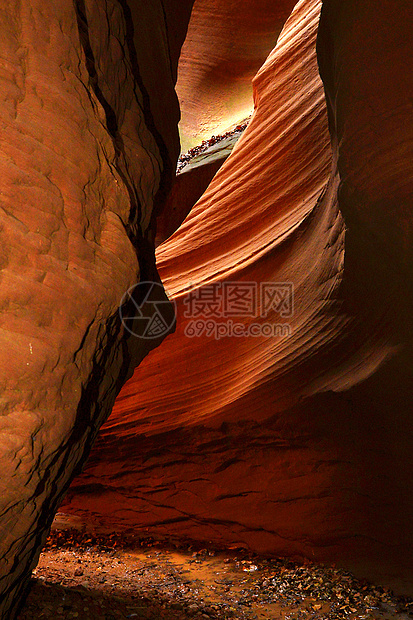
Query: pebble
(177, 606)
(171, 590)
(197, 150)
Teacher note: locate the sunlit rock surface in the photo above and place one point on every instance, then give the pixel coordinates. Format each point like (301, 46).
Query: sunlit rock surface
(227, 43)
(88, 144)
(297, 444)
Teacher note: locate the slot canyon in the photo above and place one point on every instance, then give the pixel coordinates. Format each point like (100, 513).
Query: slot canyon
(223, 355)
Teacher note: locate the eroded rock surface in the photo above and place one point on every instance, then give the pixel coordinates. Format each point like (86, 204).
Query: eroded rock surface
(298, 444)
(215, 453)
(191, 182)
(227, 43)
(88, 144)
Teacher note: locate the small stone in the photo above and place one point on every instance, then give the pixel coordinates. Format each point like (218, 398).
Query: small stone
(193, 609)
(251, 568)
(177, 606)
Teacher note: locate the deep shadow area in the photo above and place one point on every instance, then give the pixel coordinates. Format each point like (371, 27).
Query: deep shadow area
(50, 600)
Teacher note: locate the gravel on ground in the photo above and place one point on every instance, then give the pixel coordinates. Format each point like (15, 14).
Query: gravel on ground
(115, 577)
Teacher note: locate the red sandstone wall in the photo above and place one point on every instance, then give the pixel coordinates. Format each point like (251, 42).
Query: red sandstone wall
(227, 43)
(297, 445)
(89, 142)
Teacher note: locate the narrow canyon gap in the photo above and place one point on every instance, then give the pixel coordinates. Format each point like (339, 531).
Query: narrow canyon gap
(297, 445)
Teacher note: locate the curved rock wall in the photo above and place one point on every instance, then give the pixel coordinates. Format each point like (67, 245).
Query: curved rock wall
(227, 43)
(190, 184)
(297, 444)
(87, 146)
(215, 455)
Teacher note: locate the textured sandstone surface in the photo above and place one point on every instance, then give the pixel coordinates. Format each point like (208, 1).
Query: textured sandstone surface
(299, 444)
(189, 186)
(227, 43)
(214, 453)
(88, 142)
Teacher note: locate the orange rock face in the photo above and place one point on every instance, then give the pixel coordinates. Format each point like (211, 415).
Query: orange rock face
(218, 450)
(227, 43)
(190, 184)
(297, 443)
(88, 144)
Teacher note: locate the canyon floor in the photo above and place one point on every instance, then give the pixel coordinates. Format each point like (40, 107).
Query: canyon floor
(114, 577)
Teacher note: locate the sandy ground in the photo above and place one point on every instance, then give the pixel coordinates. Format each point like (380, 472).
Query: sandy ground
(110, 579)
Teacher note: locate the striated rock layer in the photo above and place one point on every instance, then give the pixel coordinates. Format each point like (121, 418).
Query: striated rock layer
(88, 144)
(227, 43)
(298, 443)
(190, 184)
(215, 455)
